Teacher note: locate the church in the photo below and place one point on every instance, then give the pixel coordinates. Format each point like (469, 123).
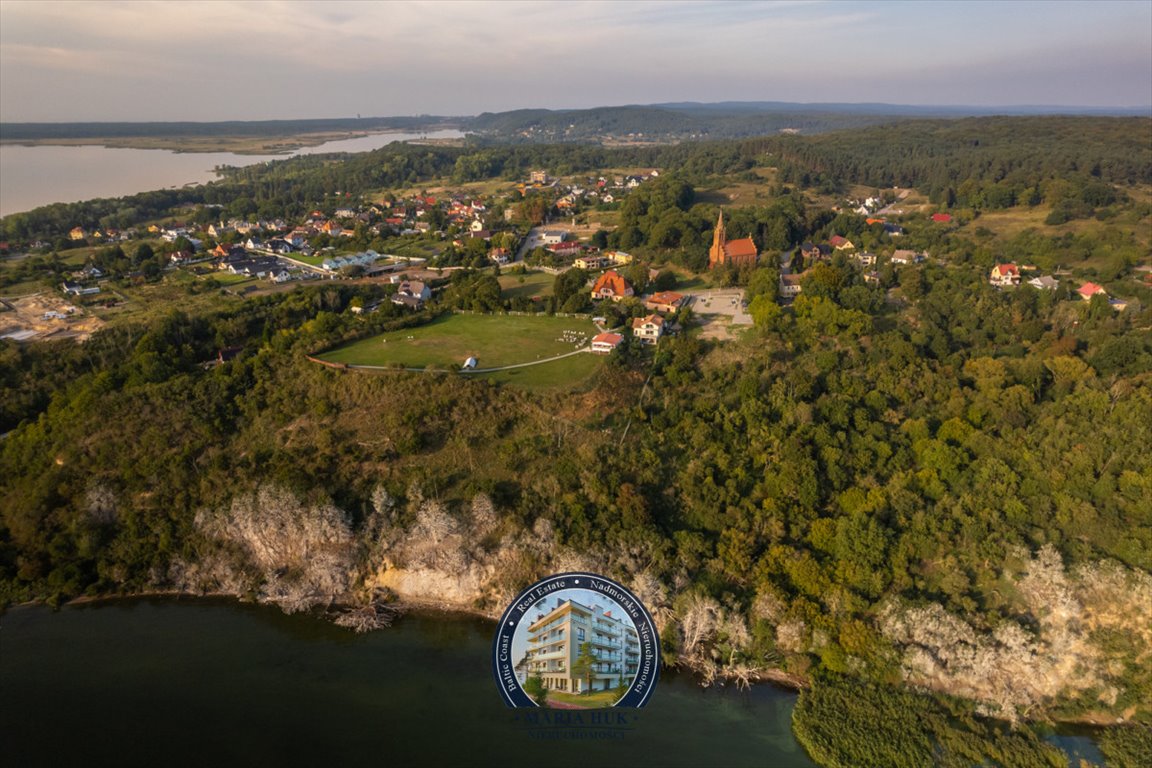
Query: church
(737, 253)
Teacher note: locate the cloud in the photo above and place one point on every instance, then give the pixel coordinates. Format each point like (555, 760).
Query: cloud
(250, 60)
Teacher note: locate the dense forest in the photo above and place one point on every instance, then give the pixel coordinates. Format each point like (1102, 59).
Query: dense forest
(929, 483)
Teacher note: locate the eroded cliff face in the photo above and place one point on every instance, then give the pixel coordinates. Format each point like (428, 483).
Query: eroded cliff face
(275, 546)
(1082, 635)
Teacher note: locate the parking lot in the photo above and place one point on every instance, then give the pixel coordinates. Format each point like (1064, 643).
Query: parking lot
(719, 311)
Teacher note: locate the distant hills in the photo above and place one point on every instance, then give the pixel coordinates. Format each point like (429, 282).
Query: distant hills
(653, 123)
(677, 121)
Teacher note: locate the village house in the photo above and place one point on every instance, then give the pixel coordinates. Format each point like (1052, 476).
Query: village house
(942, 218)
(75, 289)
(864, 258)
(611, 285)
(789, 286)
(902, 256)
(412, 293)
(840, 243)
(1044, 283)
(1005, 275)
(1088, 290)
(647, 330)
(664, 301)
(591, 262)
(606, 343)
(567, 248)
(619, 257)
(499, 255)
(814, 253)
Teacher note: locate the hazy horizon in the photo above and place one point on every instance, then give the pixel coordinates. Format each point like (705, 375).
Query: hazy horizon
(209, 62)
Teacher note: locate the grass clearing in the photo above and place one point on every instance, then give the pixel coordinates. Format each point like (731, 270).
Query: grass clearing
(528, 285)
(495, 340)
(568, 372)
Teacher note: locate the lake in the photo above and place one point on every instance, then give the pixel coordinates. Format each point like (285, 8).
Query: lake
(216, 683)
(40, 175)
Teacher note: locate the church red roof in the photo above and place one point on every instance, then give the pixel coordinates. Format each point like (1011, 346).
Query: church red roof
(742, 247)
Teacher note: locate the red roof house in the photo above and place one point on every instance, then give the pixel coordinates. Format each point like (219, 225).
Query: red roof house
(1088, 290)
(611, 285)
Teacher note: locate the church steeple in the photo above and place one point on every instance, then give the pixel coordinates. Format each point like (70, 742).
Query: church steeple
(719, 239)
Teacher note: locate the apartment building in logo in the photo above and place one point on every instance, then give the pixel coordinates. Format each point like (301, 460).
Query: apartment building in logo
(576, 647)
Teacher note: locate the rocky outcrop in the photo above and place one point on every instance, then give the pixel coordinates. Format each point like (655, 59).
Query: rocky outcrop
(275, 546)
(1051, 651)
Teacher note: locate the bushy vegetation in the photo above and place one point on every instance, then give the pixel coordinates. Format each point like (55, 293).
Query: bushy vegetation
(853, 726)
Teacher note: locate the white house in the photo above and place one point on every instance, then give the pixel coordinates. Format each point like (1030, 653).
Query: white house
(648, 330)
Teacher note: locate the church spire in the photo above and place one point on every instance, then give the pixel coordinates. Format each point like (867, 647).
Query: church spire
(719, 238)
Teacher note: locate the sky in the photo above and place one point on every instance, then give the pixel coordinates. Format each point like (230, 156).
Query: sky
(211, 60)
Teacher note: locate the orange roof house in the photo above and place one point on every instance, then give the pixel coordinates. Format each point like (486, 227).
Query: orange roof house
(738, 253)
(611, 285)
(1005, 274)
(1088, 290)
(664, 301)
(604, 343)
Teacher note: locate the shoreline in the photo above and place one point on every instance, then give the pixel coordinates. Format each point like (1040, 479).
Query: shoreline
(281, 144)
(771, 677)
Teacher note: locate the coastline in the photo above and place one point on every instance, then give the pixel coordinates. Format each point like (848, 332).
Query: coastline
(280, 144)
(775, 677)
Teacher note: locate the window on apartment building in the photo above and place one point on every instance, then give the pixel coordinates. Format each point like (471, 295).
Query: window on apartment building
(580, 633)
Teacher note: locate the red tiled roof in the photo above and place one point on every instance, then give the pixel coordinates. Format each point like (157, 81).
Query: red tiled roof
(656, 320)
(1091, 289)
(607, 338)
(944, 217)
(666, 297)
(612, 281)
(742, 247)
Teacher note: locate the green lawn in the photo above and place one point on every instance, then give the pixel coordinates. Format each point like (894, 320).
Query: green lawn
(227, 278)
(597, 700)
(568, 372)
(495, 340)
(527, 285)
